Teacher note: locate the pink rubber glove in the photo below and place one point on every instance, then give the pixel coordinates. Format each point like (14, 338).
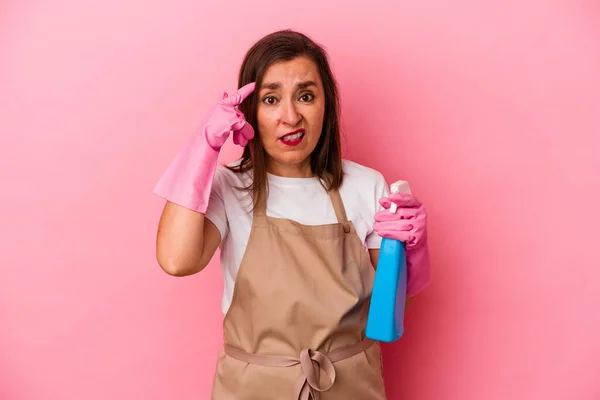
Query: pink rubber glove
(188, 179)
(408, 225)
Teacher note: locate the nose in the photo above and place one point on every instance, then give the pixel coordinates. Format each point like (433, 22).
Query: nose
(290, 115)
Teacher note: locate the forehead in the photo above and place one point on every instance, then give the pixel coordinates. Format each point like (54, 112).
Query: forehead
(293, 71)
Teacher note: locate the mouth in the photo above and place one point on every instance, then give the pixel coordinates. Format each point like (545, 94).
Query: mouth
(293, 138)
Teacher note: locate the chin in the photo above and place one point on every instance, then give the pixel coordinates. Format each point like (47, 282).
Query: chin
(296, 157)
(293, 159)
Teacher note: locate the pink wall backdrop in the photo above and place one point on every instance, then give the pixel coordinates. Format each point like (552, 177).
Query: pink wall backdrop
(491, 111)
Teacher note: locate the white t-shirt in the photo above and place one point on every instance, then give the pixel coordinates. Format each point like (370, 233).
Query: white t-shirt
(303, 200)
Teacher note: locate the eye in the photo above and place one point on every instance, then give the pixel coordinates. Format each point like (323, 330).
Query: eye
(269, 100)
(306, 97)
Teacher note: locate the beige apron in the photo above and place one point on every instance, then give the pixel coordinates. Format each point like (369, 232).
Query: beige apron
(295, 327)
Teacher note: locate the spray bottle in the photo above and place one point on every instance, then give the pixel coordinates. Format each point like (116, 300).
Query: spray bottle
(385, 322)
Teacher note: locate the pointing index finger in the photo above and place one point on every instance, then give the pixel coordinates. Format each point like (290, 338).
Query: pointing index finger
(241, 94)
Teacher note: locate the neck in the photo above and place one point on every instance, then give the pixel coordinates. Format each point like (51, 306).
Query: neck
(301, 170)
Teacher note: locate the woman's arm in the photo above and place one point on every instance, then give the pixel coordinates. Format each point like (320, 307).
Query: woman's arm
(374, 255)
(186, 240)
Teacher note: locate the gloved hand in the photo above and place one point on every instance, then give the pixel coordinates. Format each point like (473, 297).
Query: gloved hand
(188, 179)
(409, 225)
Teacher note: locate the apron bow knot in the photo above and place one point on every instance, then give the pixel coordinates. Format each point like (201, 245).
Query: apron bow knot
(311, 363)
(308, 383)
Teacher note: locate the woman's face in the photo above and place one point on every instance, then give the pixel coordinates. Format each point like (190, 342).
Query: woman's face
(290, 115)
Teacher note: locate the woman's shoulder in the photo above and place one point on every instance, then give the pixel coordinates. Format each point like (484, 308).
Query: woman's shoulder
(361, 190)
(359, 174)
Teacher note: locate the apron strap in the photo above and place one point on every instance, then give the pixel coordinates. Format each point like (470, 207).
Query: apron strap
(260, 208)
(338, 206)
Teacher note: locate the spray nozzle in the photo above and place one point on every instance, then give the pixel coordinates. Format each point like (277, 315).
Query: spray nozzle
(398, 187)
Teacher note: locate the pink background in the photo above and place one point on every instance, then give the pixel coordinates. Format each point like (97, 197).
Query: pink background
(490, 111)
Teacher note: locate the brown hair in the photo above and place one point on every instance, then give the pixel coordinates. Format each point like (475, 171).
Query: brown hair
(326, 158)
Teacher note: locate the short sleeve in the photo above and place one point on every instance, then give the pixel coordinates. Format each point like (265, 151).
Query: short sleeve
(373, 240)
(216, 211)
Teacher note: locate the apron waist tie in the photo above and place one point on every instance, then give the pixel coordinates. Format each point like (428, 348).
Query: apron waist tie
(308, 382)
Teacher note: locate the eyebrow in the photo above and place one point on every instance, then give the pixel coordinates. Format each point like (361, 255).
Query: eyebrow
(277, 85)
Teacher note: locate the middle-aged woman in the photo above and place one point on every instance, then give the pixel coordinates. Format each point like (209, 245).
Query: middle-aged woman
(298, 227)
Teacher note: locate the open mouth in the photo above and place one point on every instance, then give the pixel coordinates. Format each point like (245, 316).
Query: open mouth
(293, 138)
